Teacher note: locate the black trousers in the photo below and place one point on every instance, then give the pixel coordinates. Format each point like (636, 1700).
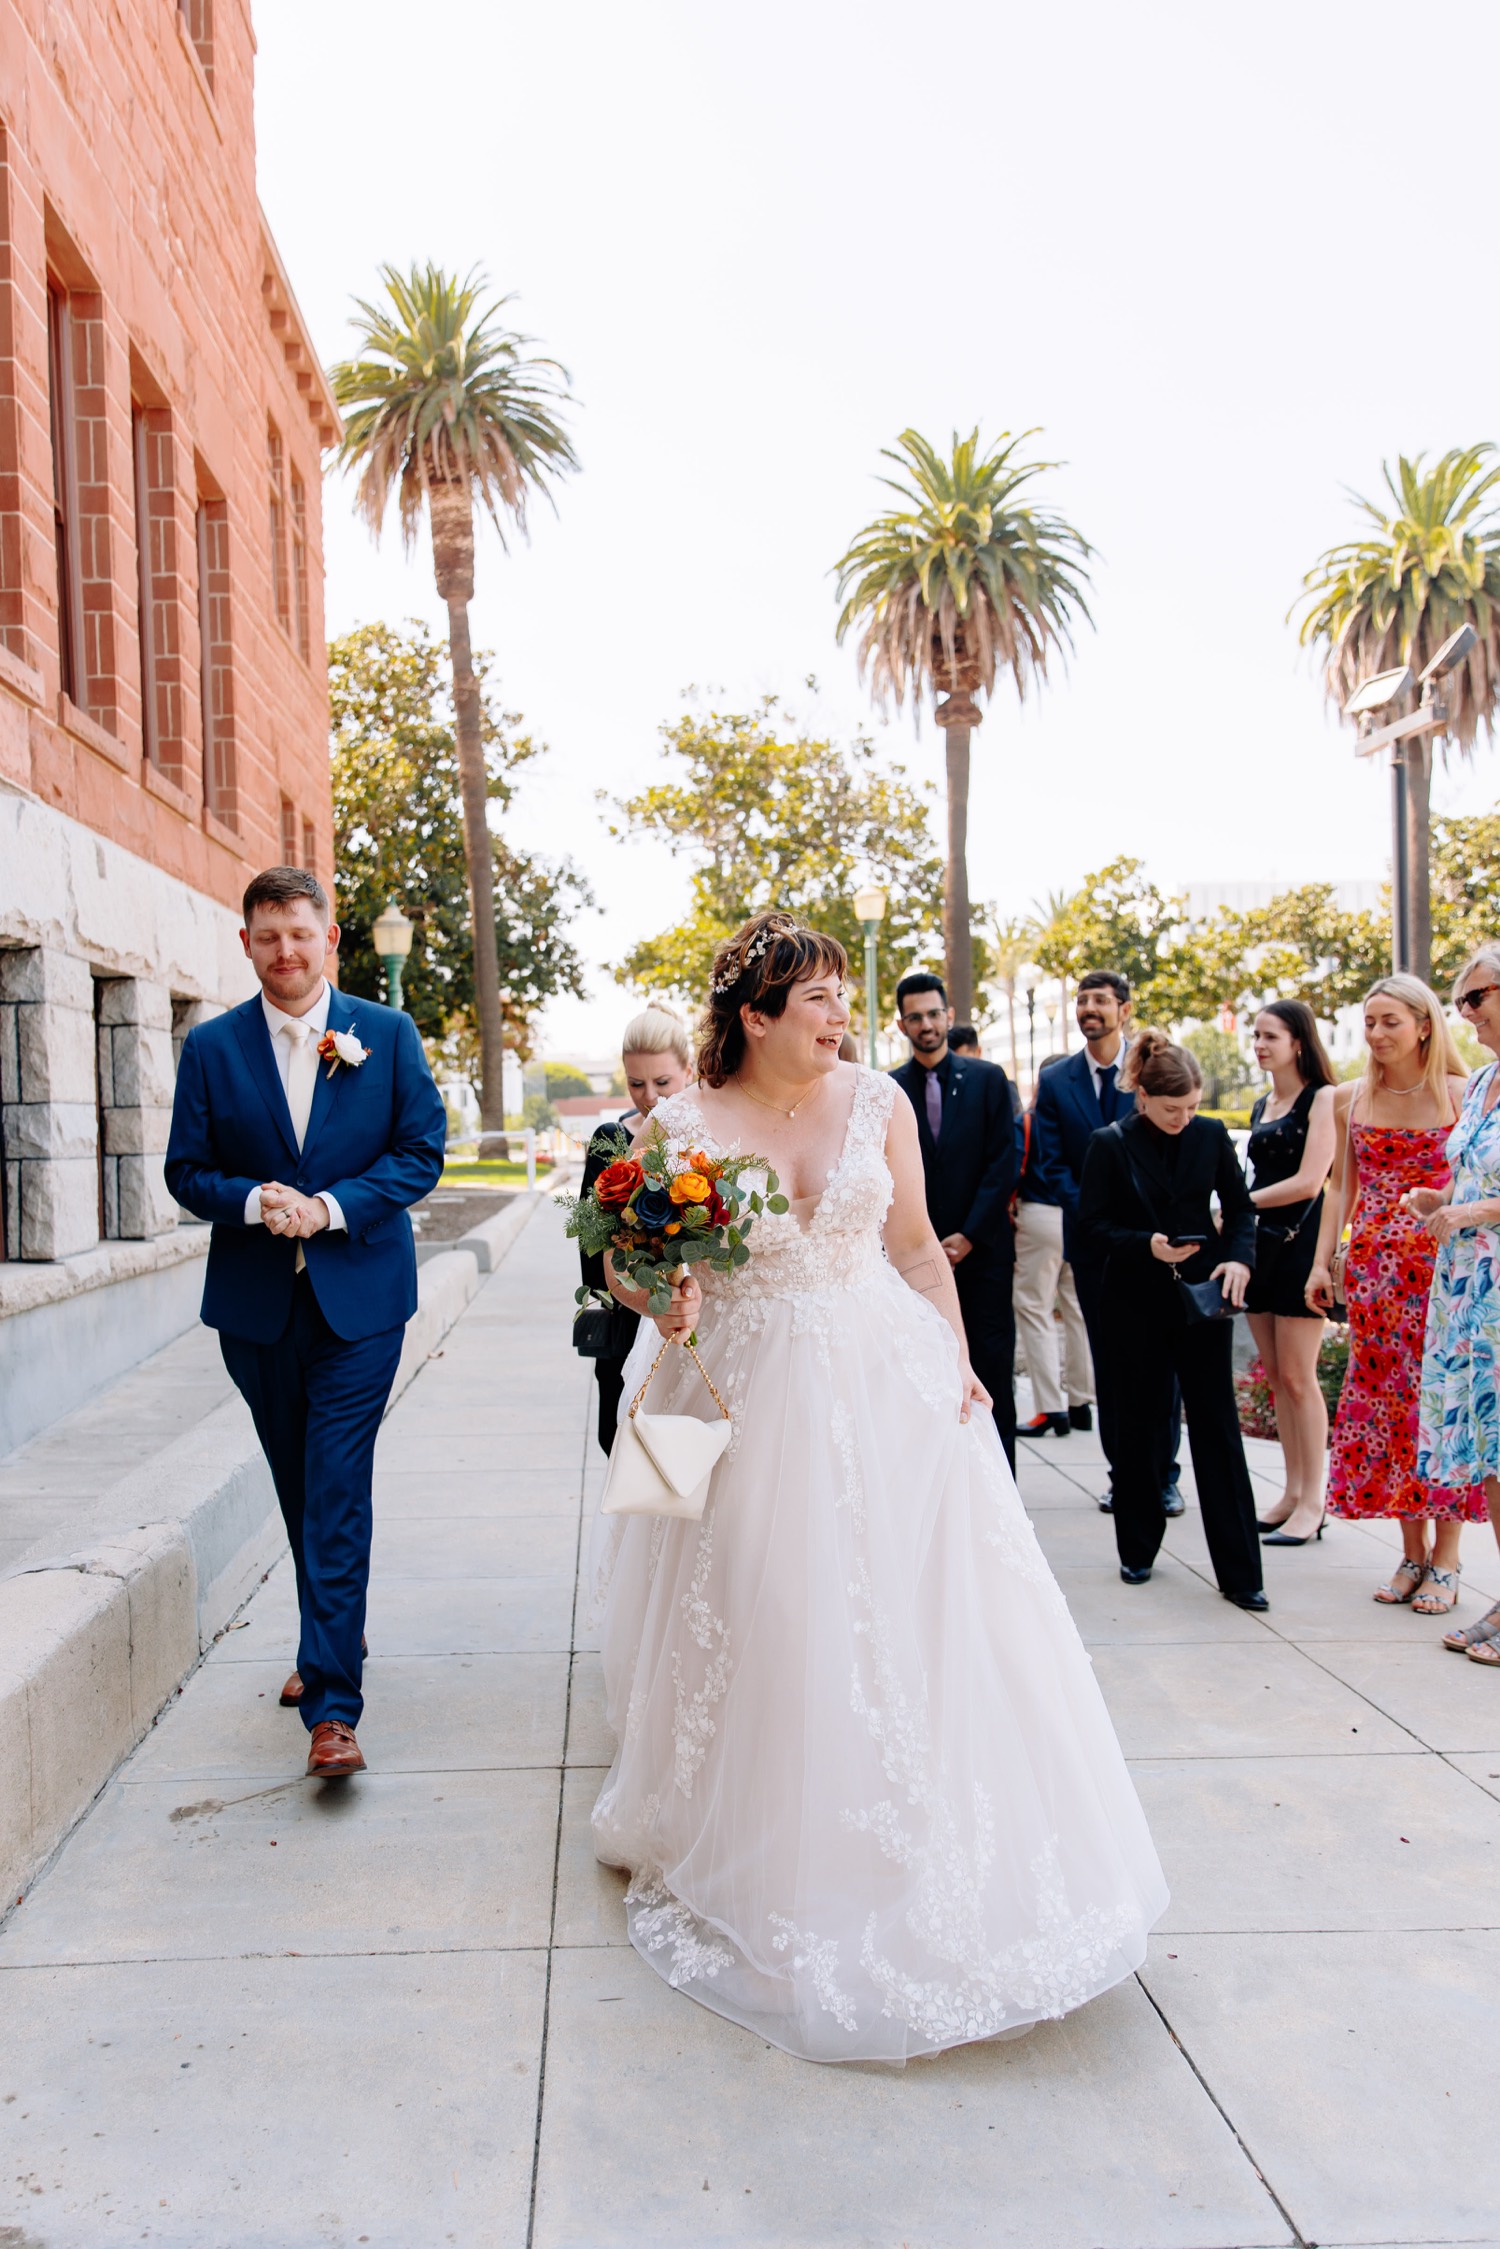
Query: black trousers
(609, 1374)
(1152, 1349)
(1089, 1282)
(985, 1283)
(316, 1402)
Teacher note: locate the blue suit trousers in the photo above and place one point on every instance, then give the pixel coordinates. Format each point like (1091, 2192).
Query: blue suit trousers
(316, 1402)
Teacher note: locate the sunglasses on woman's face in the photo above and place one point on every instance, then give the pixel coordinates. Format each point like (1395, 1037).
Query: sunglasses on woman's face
(1469, 1003)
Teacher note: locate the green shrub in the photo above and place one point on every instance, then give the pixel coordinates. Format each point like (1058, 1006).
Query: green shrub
(1258, 1406)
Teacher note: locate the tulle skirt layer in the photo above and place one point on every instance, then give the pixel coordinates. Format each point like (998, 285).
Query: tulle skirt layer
(867, 1791)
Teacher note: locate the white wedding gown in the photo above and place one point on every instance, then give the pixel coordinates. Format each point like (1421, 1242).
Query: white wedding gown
(867, 1790)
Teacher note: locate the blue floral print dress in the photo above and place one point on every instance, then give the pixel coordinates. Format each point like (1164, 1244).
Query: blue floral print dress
(1458, 1439)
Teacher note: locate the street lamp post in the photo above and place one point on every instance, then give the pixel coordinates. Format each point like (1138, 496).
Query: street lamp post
(390, 934)
(1028, 985)
(869, 906)
(1411, 934)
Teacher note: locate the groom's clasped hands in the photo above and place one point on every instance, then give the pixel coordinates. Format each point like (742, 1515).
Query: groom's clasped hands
(286, 1212)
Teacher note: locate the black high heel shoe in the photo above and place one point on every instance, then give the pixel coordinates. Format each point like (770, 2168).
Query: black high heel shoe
(1279, 1537)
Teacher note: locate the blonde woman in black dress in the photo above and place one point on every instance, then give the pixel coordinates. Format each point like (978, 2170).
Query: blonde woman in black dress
(1291, 1153)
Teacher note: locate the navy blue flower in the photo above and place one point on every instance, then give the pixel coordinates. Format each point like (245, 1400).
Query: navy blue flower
(654, 1209)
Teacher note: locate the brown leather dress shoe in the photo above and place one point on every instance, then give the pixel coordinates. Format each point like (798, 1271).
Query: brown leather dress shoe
(333, 1753)
(291, 1693)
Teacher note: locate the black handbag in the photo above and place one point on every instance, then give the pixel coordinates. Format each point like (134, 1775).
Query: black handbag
(603, 1331)
(1202, 1301)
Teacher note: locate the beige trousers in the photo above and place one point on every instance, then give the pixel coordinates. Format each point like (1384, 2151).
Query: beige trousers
(1044, 1287)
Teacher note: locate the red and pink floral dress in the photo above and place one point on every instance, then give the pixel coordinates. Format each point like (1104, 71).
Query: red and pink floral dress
(1372, 1467)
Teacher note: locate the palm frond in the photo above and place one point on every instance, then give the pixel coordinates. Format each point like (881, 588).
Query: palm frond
(1428, 563)
(966, 577)
(442, 393)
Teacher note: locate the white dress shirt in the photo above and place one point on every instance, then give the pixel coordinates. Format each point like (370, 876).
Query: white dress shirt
(316, 1019)
(1097, 1069)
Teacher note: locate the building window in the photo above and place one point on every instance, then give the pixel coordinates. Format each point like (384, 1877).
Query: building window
(198, 22)
(215, 673)
(276, 471)
(309, 847)
(145, 604)
(288, 833)
(299, 567)
(65, 494)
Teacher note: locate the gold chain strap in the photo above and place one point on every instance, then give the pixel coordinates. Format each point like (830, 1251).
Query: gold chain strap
(667, 1342)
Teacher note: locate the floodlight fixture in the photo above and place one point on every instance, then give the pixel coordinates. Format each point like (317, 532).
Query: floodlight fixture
(1375, 694)
(1452, 653)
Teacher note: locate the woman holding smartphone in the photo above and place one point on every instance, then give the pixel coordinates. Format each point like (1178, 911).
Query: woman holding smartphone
(1146, 1206)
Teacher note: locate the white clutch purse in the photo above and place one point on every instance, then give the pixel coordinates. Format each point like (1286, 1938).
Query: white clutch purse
(660, 1463)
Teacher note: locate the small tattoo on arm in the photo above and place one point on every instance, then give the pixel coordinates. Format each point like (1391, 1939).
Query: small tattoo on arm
(925, 1276)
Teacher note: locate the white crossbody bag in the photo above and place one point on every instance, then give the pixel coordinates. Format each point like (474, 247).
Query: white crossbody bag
(660, 1463)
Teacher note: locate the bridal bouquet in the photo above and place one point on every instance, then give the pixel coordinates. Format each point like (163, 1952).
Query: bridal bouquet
(668, 1207)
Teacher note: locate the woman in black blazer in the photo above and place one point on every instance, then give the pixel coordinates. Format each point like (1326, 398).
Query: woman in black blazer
(1144, 1205)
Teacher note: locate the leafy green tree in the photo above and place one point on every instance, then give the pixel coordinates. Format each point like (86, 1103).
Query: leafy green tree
(444, 408)
(1428, 562)
(1465, 890)
(564, 1080)
(965, 578)
(1117, 919)
(770, 816)
(1226, 1074)
(399, 836)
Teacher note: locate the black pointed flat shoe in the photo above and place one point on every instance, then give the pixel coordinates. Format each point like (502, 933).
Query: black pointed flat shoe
(1134, 1577)
(1254, 1601)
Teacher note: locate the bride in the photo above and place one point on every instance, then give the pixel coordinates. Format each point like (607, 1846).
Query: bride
(867, 1791)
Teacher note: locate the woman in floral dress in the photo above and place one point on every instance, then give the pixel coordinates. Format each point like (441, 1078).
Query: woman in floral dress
(1459, 1441)
(1392, 1132)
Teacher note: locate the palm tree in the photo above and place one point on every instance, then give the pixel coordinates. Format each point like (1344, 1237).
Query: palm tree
(965, 577)
(1010, 951)
(1051, 917)
(1429, 563)
(444, 407)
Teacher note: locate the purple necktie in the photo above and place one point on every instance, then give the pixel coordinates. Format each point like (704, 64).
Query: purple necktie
(934, 1104)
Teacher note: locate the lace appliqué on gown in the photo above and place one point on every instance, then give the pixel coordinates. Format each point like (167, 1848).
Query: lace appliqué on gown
(869, 1796)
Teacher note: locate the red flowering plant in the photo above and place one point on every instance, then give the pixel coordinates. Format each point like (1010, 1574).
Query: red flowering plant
(666, 1207)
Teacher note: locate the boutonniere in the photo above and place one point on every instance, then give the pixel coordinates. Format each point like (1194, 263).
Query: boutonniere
(341, 1046)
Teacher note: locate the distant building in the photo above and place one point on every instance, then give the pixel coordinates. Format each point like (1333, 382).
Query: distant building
(1207, 898)
(163, 702)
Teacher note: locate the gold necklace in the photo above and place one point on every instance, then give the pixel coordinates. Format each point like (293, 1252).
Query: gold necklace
(776, 1105)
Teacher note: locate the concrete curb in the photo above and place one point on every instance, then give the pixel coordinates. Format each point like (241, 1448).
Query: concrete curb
(96, 1643)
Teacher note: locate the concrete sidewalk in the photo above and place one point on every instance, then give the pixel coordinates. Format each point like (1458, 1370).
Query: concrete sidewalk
(242, 2012)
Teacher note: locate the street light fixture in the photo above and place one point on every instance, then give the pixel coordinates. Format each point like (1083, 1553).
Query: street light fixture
(1369, 699)
(869, 907)
(390, 934)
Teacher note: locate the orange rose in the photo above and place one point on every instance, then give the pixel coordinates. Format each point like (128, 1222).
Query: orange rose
(690, 1187)
(617, 1183)
(706, 1166)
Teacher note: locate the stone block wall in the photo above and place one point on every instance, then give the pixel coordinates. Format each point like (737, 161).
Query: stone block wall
(49, 1117)
(137, 1066)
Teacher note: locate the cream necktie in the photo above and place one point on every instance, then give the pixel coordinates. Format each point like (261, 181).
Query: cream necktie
(301, 1083)
(301, 1076)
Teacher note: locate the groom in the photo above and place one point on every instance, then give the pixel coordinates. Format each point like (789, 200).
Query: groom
(304, 1124)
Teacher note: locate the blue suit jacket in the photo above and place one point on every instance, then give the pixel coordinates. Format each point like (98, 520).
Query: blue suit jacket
(1066, 1119)
(374, 1140)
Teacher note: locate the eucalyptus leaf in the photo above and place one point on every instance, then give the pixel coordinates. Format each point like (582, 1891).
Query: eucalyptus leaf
(779, 1204)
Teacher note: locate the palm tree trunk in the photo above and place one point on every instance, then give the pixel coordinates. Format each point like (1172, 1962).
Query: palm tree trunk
(957, 716)
(1418, 848)
(451, 514)
(1010, 1001)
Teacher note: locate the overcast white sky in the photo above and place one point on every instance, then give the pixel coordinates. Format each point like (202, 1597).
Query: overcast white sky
(765, 240)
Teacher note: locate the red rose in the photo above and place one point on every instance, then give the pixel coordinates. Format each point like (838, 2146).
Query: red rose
(716, 1208)
(617, 1183)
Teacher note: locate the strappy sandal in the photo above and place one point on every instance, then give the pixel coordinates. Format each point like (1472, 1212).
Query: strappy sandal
(1470, 1636)
(1391, 1595)
(1488, 1651)
(1446, 1597)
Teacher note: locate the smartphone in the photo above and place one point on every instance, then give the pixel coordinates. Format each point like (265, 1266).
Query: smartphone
(1187, 1241)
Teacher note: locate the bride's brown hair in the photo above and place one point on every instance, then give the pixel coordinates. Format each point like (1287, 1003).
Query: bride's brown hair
(757, 968)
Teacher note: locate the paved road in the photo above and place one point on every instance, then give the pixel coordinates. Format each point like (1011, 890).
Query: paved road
(240, 2012)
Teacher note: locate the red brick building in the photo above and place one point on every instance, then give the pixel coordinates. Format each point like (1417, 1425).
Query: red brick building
(163, 701)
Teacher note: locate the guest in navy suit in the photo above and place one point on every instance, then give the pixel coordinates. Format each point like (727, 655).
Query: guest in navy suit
(1074, 1099)
(306, 1158)
(966, 1124)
